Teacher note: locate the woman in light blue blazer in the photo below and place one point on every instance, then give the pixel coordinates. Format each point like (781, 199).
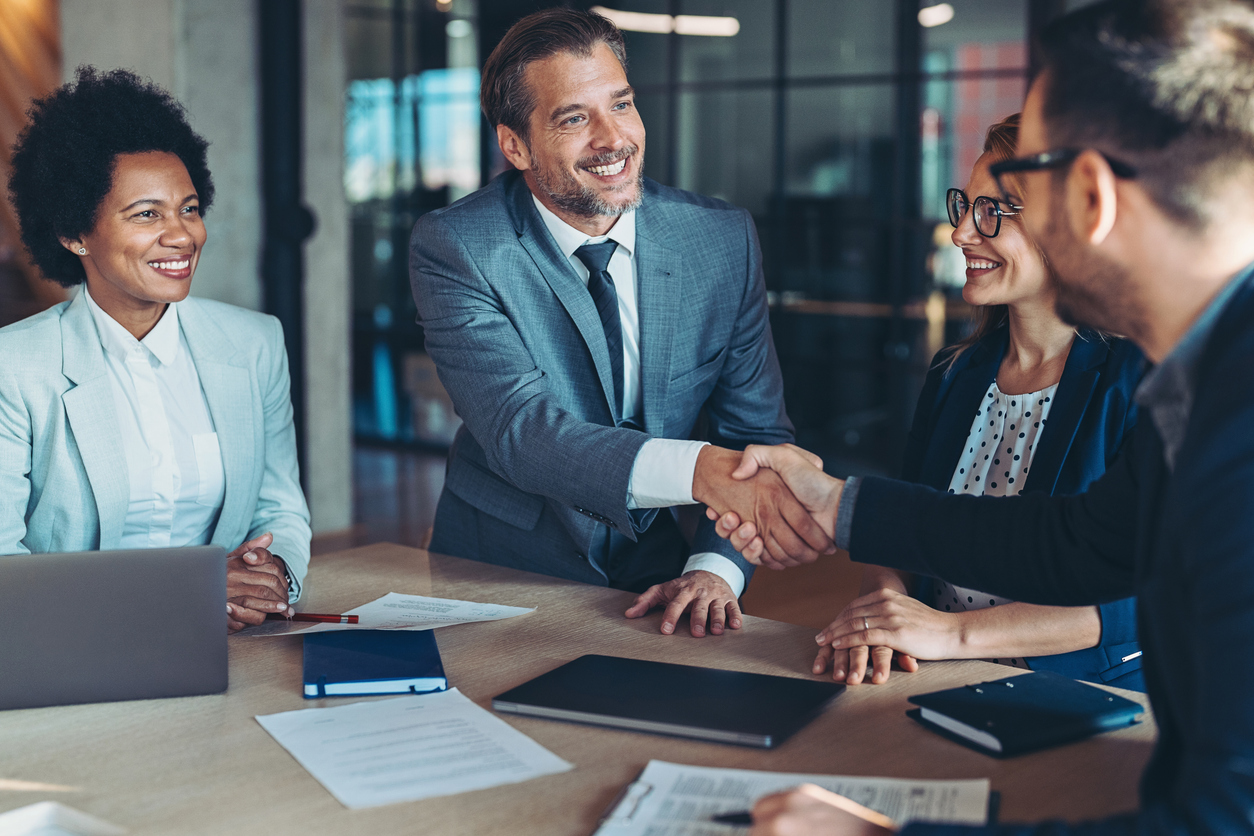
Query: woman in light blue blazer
(134, 416)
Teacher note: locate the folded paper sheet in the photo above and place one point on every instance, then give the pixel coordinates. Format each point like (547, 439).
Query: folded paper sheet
(50, 818)
(395, 611)
(371, 753)
(670, 799)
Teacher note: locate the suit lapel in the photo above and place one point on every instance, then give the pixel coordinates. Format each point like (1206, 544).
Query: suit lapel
(967, 388)
(658, 304)
(561, 277)
(91, 411)
(232, 400)
(1071, 400)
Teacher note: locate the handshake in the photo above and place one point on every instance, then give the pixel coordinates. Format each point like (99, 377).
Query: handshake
(775, 504)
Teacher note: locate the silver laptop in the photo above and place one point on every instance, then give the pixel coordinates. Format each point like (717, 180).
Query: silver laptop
(119, 625)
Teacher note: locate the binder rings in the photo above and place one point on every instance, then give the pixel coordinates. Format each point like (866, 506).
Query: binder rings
(361, 662)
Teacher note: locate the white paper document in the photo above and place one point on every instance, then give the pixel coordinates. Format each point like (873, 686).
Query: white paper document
(371, 753)
(49, 818)
(670, 799)
(395, 611)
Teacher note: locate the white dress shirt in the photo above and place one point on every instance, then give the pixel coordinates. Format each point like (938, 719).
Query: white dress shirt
(662, 474)
(174, 466)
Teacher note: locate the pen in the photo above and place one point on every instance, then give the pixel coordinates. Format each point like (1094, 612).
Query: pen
(743, 817)
(313, 616)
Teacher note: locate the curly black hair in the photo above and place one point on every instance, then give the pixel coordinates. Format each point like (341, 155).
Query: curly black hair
(63, 160)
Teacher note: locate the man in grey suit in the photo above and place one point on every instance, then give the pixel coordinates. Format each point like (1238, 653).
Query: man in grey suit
(585, 321)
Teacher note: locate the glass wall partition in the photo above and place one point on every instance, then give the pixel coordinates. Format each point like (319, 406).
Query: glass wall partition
(839, 124)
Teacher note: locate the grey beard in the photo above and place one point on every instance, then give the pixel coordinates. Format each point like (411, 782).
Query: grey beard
(569, 195)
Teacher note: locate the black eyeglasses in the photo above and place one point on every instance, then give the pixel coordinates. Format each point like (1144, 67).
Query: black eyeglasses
(988, 212)
(1051, 159)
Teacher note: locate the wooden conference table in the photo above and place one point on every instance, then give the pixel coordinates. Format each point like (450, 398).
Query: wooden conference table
(202, 765)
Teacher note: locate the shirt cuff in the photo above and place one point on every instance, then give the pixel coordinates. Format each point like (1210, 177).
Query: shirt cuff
(716, 564)
(662, 474)
(293, 583)
(844, 512)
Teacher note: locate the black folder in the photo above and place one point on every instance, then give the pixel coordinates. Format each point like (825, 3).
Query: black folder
(1024, 713)
(750, 709)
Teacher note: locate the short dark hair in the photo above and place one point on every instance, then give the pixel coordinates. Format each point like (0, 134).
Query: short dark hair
(1167, 85)
(64, 158)
(503, 92)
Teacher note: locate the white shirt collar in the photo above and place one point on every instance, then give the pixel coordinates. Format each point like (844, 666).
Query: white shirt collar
(570, 239)
(162, 341)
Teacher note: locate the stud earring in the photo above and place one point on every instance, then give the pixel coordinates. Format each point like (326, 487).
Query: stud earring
(82, 251)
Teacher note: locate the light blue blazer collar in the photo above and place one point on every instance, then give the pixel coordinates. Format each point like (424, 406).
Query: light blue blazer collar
(89, 406)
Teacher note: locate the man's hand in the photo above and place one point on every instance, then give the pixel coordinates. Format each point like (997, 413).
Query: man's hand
(786, 529)
(708, 595)
(890, 619)
(801, 472)
(812, 811)
(256, 584)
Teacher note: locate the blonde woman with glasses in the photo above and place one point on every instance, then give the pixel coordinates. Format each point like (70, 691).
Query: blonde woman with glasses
(1024, 404)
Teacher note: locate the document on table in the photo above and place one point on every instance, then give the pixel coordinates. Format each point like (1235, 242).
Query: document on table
(50, 818)
(368, 754)
(395, 611)
(670, 799)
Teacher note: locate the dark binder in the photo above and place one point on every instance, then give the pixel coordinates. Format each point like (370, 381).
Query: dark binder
(749, 709)
(356, 663)
(1022, 714)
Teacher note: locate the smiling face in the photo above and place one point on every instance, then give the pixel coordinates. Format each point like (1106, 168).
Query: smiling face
(1008, 269)
(143, 250)
(584, 154)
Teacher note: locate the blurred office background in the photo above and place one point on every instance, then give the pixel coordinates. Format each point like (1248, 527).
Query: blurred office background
(335, 123)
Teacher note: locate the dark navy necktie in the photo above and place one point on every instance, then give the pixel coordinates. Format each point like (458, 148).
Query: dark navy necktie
(596, 257)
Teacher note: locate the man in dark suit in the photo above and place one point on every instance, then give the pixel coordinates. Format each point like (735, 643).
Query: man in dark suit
(1137, 149)
(583, 319)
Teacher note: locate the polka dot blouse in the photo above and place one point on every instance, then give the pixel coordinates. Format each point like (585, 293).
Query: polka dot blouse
(995, 462)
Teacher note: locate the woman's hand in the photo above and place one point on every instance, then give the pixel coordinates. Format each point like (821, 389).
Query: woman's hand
(850, 666)
(256, 584)
(887, 619)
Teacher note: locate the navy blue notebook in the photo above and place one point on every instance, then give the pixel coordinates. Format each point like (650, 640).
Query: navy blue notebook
(1023, 713)
(356, 663)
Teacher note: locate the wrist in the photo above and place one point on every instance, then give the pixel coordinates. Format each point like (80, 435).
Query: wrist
(712, 463)
(832, 505)
(963, 636)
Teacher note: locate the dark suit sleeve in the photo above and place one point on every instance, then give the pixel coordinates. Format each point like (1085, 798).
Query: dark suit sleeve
(1198, 599)
(747, 404)
(500, 392)
(1073, 550)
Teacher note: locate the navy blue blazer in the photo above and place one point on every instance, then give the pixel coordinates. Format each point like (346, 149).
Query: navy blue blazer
(1091, 414)
(1181, 540)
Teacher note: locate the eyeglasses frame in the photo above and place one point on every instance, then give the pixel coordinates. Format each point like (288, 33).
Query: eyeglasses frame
(1052, 159)
(998, 212)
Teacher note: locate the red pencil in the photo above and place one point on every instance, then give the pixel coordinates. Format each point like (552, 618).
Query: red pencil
(313, 616)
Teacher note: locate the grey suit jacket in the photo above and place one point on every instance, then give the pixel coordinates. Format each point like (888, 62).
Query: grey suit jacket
(63, 476)
(539, 466)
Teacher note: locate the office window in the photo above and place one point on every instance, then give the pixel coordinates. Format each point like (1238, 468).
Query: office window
(838, 124)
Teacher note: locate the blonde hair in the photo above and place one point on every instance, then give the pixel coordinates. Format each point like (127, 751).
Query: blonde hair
(999, 144)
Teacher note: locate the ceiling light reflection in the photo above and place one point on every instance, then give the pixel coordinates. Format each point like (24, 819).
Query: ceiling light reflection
(10, 785)
(936, 15)
(700, 25)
